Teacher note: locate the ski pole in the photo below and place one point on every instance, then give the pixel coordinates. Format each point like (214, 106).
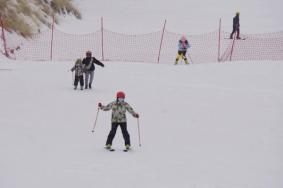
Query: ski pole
(94, 125)
(190, 58)
(72, 77)
(139, 131)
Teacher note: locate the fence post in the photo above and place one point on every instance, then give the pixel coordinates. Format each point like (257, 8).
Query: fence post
(232, 48)
(102, 45)
(161, 41)
(52, 33)
(3, 37)
(219, 40)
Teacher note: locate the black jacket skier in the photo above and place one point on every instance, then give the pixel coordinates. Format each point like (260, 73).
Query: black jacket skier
(89, 61)
(236, 26)
(89, 68)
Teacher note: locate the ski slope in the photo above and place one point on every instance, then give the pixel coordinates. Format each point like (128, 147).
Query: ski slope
(207, 125)
(214, 125)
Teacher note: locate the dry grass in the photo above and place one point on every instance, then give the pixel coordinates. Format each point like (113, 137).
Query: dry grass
(14, 20)
(24, 8)
(3, 5)
(65, 7)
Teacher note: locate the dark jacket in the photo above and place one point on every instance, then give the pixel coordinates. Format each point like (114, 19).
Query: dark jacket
(236, 22)
(88, 63)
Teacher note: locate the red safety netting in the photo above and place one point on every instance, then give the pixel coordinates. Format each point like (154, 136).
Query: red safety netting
(70, 46)
(268, 46)
(136, 48)
(35, 48)
(156, 47)
(204, 48)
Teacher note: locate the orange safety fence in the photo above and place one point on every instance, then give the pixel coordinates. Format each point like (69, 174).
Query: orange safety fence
(112, 46)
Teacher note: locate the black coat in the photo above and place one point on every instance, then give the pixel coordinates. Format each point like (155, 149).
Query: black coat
(236, 22)
(90, 67)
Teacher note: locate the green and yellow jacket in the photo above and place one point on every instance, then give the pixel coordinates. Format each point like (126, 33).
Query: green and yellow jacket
(118, 111)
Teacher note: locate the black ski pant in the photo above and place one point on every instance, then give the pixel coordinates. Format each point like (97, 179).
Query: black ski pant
(113, 130)
(235, 29)
(180, 53)
(79, 79)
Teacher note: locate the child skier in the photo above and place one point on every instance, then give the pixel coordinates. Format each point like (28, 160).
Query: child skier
(79, 70)
(119, 108)
(183, 45)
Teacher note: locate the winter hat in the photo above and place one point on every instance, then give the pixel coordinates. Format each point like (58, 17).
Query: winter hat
(121, 94)
(79, 61)
(88, 53)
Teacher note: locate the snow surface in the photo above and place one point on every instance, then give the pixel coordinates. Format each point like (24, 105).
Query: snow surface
(183, 16)
(215, 125)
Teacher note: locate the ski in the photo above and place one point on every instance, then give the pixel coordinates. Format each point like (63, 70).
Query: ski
(110, 149)
(6, 69)
(126, 150)
(237, 39)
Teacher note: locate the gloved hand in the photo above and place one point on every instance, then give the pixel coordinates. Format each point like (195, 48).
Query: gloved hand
(136, 115)
(99, 105)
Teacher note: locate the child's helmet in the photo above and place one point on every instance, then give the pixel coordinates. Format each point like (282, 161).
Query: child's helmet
(183, 38)
(121, 94)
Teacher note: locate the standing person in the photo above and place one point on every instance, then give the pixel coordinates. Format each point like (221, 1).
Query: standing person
(89, 67)
(119, 108)
(236, 26)
(183, 45)
(79, 74)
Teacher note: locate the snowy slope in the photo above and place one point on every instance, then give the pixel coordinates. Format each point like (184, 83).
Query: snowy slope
(210, 125)
(183, 16)
(202, 126)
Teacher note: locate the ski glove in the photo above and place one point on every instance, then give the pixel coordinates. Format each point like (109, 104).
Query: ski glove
(99, 105)
(136, 115)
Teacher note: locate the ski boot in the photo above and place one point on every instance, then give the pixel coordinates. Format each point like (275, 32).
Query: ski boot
(127, 147)
(108, 147)
(186, 62)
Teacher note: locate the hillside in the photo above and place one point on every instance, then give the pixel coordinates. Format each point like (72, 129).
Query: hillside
(207, 125)
(26, 17)
(202, 126)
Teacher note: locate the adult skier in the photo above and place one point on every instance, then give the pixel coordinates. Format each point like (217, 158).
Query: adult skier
(183, 45)
(119, 108)
(236, 26)
(89, 68)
